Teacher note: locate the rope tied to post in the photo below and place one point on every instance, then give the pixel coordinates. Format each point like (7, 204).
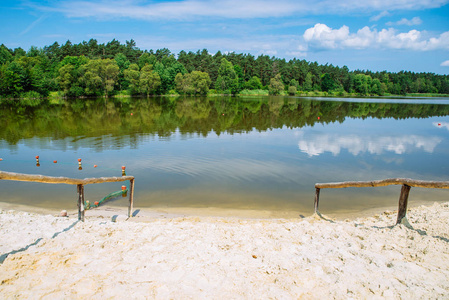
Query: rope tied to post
(123, 192)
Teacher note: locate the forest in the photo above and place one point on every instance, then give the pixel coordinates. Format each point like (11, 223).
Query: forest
(90, 69)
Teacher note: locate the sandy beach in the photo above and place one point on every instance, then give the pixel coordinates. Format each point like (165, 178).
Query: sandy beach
(163, 256)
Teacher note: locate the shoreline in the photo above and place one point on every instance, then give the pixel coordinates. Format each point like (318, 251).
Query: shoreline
(178, 256)
(145, 213)
(300, 94)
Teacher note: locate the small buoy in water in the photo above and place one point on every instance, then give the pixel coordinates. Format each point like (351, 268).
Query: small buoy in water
(123, 170)
(79, 159)
(1, 159)
(55, 161)
(63, 213)
(123, 187)
(97, 203)
(439, 124)
(37, 156)
(95, 166)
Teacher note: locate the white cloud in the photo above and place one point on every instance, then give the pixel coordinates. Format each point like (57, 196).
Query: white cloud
(404, 21)
(356, 145)
(362, 39)
(442, 42)
(445, 63)
(379, 16)
(326, 36)
(406, 40)
(322, 36)
(234, 9)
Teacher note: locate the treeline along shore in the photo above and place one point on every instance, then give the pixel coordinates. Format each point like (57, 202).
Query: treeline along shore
(93, 69)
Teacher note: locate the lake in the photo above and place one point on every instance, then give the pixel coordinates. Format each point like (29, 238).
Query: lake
(247, 153)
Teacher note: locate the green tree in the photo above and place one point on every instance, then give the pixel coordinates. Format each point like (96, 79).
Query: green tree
(123, 64)
(419, 85)
(149, 80)
(292, 90)
(196, 82)
(294, 83)
(227, 80)
(182, 84)
(69, 73)
(34, 52)
(308, 82)
(328, 83)
(109, 73)
(5, 55)
(17, 79)
(100, 76)
(146, 59)
(168, 71)
(378, 87)
(254, 83)
(276, 85)
(132, 76)
(10, 80)
(66, 78)
(19, 52)
(239, 73)
(362, 84)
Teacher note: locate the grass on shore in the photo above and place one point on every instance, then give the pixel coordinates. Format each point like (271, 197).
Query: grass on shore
(55, 97)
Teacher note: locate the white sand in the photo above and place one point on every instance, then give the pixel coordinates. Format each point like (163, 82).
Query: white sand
(167, 257)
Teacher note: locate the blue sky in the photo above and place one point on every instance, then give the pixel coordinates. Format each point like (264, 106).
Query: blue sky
(375, 35)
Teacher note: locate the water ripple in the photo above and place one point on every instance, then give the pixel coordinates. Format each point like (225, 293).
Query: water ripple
(241, 169)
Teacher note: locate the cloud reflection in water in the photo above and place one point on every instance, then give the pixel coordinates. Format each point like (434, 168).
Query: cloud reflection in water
(319, 143)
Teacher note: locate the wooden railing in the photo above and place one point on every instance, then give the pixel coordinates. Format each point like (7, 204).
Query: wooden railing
(80, 183)
(403, 198)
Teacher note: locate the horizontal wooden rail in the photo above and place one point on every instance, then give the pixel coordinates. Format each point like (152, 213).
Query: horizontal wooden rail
(56, 180)
(406, 183)
(78, 182)
(385, 182)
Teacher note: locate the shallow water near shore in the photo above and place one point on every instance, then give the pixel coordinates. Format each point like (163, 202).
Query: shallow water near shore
(250, 153)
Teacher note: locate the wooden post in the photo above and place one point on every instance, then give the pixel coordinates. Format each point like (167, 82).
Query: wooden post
(317, 199)
(406, 183)
(403, 201)
(80, 188)
(78, 182)
(131, 197)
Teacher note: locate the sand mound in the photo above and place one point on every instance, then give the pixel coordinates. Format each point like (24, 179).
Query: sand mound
(220, 258)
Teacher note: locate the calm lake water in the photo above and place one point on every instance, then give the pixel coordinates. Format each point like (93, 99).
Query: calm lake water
(258, 153)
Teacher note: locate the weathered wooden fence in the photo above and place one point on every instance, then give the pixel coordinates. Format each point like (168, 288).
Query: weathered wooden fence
(403, 198)
(80, 183)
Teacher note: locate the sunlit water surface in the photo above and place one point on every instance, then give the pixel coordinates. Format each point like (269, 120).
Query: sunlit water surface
(260, 153)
